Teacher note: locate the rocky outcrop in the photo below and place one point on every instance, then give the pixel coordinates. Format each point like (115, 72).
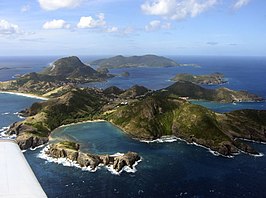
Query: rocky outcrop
(27, 136)
(71, 151)
(26, 141)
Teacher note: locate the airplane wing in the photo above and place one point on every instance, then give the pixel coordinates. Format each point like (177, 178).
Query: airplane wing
(16, 176)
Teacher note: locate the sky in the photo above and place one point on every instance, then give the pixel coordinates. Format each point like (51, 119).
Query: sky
(133, 27)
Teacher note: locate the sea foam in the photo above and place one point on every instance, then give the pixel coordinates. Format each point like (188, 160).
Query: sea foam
(163, 139)
(19, 116)
(6, 113)
(70, 163)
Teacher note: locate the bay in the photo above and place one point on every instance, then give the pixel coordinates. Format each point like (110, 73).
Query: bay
(167, 169)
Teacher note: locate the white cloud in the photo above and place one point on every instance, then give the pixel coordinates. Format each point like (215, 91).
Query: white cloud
(177, 9)
(156, 25)
(57, 4)
(153, 25)
(7, 28)
(212, 43)
(90, 22)
(128, 30)
(25, 8)
(240, 3)
(56, 24)
(112, 29)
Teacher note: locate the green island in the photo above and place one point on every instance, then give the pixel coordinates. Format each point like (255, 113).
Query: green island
(141, 113)
(135, 61)
(65, 71)
(210, 79)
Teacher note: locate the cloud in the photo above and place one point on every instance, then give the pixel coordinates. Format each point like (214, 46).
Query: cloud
(153, 25)
(90, 22)
(233, 44)
(56, 24)
(156, 25)
(8, 29)
(240, 3)
(128, 30)
(177, 9)
(212, 43)
(25, 8)
(57, 4)
(112, 30)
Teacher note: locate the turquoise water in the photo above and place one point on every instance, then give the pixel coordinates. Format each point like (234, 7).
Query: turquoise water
(167, 169)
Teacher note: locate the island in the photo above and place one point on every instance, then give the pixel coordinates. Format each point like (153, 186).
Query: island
(125, 74)
(65, 71)
(210, 79)
(145, 115)
(135, 61)
(4, 68)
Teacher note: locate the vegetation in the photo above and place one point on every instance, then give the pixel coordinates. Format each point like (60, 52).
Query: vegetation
(211, 79)
(135, 61)
(141, 113)
(68, 145)
(193, 91)
(62, 73)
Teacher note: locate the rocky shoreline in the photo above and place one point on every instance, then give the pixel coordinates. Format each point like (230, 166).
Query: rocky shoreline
(71, 151)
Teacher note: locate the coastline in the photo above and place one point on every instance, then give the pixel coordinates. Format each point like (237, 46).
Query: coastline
(173, 138)
(82, 122)
(24, 94)
(70, 163)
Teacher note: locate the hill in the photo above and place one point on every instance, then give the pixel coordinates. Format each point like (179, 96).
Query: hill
(135, 61)
(145, 117)
(193, 91)
(70, 67)
(156, 116)
(63, 72)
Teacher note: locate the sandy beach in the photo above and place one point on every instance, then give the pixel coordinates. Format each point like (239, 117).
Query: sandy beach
(25, 95)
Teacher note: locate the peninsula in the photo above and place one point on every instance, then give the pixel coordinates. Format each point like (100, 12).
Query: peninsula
(135, 61)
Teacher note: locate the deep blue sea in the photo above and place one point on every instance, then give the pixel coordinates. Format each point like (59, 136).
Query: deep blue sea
(167, 169)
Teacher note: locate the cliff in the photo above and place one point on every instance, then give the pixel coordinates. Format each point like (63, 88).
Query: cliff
(70, 150)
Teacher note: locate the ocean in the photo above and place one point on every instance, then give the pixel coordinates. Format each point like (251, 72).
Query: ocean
(169, 169)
